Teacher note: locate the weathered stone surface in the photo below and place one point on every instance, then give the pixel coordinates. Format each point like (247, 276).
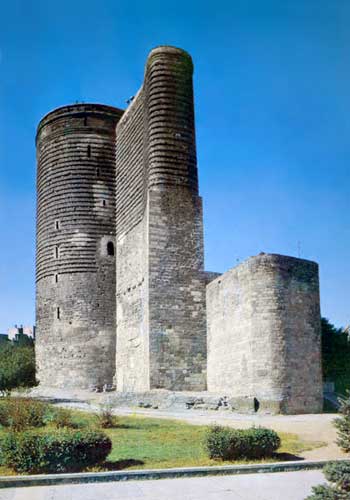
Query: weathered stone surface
(75, 302)
(161, 331)
(264, 334)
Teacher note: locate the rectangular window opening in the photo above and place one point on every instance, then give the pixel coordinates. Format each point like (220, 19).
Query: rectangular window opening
(56, 252)
(58, 312)
(57, 225)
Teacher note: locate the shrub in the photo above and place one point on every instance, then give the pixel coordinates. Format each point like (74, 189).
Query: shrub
(105, 417)
(337, 473)
(227, 444)
(17, 367)
(342, 425)
(62, 418)
(54, 451)
(20, 413)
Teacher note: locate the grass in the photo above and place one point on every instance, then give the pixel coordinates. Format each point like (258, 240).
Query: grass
(148, 443)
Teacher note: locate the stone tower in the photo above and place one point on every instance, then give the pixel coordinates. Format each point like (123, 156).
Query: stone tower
(161, 331)
(122, 295)
(264, 334)
(75, 267)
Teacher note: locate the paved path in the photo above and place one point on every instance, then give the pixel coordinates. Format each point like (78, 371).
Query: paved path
(274, 486)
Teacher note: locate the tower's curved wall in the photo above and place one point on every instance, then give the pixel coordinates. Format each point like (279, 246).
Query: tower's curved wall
(264, 334)
(75, 266)
(160, 280)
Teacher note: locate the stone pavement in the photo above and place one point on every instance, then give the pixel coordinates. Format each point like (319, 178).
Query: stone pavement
(274, 486)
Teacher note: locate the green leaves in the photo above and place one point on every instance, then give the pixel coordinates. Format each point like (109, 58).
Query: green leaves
(17, 366)
(54, 451)
(228, 444)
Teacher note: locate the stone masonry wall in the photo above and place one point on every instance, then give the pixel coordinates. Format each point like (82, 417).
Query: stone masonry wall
(263, 320)
(160, 280)
(75, 227)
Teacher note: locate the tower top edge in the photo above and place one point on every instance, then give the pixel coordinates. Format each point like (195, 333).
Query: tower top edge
(79, 108)
(168, 50)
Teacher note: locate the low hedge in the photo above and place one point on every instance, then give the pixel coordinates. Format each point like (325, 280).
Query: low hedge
(228, 444)
(22, 413)
(65, 450)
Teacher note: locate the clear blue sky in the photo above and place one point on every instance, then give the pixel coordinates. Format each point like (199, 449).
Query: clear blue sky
(272, 92)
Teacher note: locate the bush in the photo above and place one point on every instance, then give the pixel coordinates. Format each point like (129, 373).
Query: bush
(20, 413)
(62, 418)
(64, 450)
(342, 425)
(17, 367)
(105, 417)
(337, 473)
(228, 444)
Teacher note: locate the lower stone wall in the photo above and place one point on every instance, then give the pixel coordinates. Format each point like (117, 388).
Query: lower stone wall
(132, 353)
(77, 348)
(263, 320)
(177, 321)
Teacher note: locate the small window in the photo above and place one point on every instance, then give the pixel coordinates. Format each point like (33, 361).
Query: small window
(103, 203)
(110, 248)
(56, 252)
(56, 278)
(97, 172)
(58, 313)
(57, 225)
(89, 151)
(85, 121)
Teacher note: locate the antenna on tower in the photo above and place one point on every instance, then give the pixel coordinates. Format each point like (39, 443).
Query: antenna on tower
(299, 249)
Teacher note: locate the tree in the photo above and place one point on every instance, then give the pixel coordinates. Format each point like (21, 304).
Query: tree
(337, 473)
(335, 355)
(17, 366)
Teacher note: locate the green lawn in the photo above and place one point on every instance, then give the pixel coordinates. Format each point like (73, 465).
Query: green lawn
(142, 443)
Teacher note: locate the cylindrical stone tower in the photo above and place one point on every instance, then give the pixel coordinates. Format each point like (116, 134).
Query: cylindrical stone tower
(75, 266)
(264, 335)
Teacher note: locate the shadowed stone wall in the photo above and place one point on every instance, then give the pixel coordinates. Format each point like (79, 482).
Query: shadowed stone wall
(160, 280)
(263, 321)
(75, 272)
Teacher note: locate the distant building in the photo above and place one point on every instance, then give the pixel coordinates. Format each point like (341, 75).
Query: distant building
(12, 333)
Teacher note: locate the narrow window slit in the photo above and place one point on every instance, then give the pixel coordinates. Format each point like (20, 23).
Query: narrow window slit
(89, 151)
(110, 248)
